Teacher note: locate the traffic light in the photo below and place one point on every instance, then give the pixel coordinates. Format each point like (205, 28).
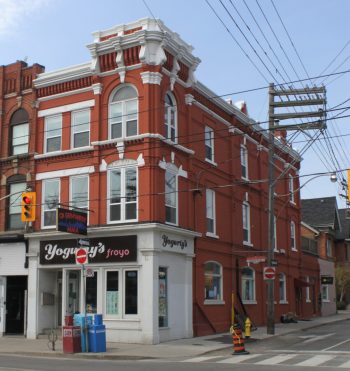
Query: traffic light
(28, 206)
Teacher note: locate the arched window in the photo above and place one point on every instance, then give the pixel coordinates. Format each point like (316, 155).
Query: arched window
(248, 284)
(16, 184)
(213, 281)
(123, 113)
(19, 132)
(282, 287)
(170, 118)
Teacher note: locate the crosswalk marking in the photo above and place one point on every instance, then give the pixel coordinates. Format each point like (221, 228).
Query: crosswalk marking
(315, 361)
(201, 359)
(277, 359)
(239, 358)
(345, 365)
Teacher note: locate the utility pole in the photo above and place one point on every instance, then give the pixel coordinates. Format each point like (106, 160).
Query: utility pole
(307, 97)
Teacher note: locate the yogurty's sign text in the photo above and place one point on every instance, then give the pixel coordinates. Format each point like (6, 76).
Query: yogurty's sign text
(101, 250)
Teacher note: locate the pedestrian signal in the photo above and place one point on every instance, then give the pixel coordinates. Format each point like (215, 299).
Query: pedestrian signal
(28, 206)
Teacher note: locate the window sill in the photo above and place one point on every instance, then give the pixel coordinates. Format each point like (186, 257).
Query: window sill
(163, 328)
(250, 302)
(63, 153)
(307, 301)
(325, 301)
(122, 221)
(213, 302)
(211, 162)
(295, 250)
(245, 178)
(293, 203)
(284, 302)
(249, 244)
(212, 235)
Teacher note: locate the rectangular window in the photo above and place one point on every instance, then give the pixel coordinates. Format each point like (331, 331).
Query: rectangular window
(246, 221)
(291, 188)
(292, 236)
(170, 198)
(123, 194)
(248, 285)
(244, 162)
(282, 287)
(53, 133)
(275, 233)
(210, 198)
(307, 290)
(15, 190)
(329, 248)
(80, 128)
(209, 143)
(324, 292)
(79, 186)
(163, 297)
(213, 281)
(91, 294)
(50, 202)
(130, 283)
(20, 138)
(112, 293)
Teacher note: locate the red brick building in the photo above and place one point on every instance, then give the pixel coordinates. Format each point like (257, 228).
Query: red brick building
(174, 183)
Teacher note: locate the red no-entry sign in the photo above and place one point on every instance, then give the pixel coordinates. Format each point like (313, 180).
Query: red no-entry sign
(81, 256)
(269, 273)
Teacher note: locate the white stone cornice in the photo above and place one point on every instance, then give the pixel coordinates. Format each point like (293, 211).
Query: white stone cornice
(65, 94)
(65, 172)
(151, 77)
(67, 108)
(64, 153)
(97, 88)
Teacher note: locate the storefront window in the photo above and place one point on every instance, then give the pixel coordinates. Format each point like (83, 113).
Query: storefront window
(131, 292)
(112, 293)
(163, 297)
(91, 294)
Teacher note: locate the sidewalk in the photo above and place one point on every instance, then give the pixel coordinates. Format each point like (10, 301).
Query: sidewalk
(193, 347)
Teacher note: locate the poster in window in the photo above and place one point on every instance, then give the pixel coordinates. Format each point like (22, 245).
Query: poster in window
(162, 307)
(112, 302)
(162, 288)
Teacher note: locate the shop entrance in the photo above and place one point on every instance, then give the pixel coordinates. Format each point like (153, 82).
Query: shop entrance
(16, 287)
(72, 292)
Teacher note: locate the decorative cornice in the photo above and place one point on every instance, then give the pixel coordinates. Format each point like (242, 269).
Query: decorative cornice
(64, 153)
(97, 88)
(151, 77)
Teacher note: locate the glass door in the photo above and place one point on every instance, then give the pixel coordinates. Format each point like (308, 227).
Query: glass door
(2, 304)
(72, 292)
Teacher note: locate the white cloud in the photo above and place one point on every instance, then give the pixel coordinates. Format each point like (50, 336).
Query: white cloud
(14, 12)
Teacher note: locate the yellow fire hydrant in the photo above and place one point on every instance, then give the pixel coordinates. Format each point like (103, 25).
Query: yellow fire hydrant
(248, 326)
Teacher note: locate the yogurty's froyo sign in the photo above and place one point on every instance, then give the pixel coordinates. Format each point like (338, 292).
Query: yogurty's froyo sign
(101, 250)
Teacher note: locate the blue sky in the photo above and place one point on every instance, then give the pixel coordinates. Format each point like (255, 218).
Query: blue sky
(55, 33)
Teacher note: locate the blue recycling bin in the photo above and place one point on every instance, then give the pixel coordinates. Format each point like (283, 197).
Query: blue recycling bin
(98, 319)
(97, 338)
(79, 320)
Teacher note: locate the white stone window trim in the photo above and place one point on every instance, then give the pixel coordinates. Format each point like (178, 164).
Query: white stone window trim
(43, 189)
(66, 172)
(77, 131)
(66, 108)
(123, 166)
(64, 153)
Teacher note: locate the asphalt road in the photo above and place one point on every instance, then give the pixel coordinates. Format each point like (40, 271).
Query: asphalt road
(326, 347)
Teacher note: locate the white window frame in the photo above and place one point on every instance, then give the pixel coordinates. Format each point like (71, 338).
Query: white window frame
(43, 208)
(291, 189)
(293, 242)
(121, 297)
(167, 118)
(246, 222)
(220, 300)
(210, 196)
(71, 179)
(325, 290)
(47, 132)
(307, 290)
(329, 248)
(25, 138)
(275, 233)
(123, 113)
(123, 202)
(253, 283)
(176, 196)
(75, 130)
(282, 280)
(209, 142)
(244, 162)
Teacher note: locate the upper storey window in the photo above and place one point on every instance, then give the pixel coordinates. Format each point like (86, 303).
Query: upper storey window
(53, 133)
(19, 132)
(170, 118)
(123, 113)
(244, 161)
(80, 128)
(209, 143)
